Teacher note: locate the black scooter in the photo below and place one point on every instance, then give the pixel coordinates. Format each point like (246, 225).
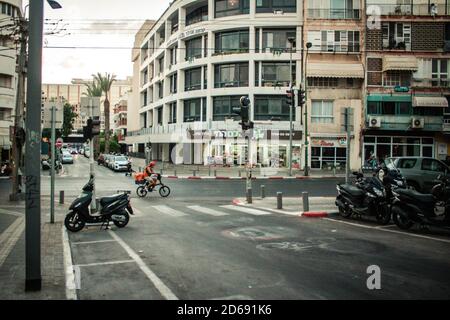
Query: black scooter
(115, 208)
(433, 209)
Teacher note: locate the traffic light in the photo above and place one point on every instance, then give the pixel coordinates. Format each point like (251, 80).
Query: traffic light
(301, 97)
(87, 130)
(244, 112)
(290, 97)
(95, 126)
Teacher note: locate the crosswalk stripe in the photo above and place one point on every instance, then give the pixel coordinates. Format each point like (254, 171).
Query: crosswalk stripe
(208, 211)
(246, 210)
(169, 211)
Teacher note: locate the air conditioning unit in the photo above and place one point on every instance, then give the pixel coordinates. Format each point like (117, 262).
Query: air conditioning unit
(374, 122)
(417, 123)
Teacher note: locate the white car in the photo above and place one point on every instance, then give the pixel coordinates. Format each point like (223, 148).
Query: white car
(66, 158)
(120, 163)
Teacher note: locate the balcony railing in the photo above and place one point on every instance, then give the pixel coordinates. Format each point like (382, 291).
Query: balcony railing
(334, 13)
(446, 125)
(407, 9)
(431, 83)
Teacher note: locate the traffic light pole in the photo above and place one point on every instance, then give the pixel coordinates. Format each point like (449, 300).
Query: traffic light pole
(290, 113)
(52, 166)
(91, 159)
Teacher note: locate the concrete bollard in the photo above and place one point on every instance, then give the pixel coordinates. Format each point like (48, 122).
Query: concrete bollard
(240, 174)
(61, 196)
(209, 171)
(305, 196)
(263, 191)
(249, 195)
(175, 173)
(215, 173)
(279, 200)
(193, 172)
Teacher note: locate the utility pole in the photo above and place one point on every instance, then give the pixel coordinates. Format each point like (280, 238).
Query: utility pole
(33, 150)
(52, 166)
(18, 137)
(91, 158)
(291, 106)
(306, 167)
(348, 128)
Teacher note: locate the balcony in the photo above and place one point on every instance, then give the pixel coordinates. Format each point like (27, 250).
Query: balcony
(446, 125)
(430, 83)
(403, 122)
(334, 14)
(423, 10)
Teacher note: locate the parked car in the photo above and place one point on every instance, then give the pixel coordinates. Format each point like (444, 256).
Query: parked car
(108, 159)
(120, 163)
(66, 158)
(73, 151)
(421, 172)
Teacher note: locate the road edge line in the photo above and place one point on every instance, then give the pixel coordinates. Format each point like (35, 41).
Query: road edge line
(71, 289)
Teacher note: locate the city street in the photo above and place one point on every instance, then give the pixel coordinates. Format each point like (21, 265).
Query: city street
(196, 245)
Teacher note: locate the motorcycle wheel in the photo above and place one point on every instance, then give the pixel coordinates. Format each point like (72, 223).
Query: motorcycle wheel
(403, 222)
(73, 222)
(383, 216)
(164, 191)
(141, 191)
(121, 224)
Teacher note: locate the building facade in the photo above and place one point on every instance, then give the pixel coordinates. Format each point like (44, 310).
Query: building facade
(73, 92)
(407, 90)
(10, 11)
(119, 121)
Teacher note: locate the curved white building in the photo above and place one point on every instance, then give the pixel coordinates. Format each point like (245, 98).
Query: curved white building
(196, 62)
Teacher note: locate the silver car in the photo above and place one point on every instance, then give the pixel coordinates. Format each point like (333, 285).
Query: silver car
(421, 172)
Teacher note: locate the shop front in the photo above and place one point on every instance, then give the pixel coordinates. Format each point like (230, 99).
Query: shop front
(329, 153)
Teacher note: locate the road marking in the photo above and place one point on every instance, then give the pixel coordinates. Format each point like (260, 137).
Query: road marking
(208, 211)
(169, 211)
(104, 263)
(160, 286)
(246, 210)
(9, 238)
(92, 242)
(12, 213)
(387, 230)
(71, 293)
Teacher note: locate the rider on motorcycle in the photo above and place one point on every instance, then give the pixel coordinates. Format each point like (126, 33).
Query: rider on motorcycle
(150, 175)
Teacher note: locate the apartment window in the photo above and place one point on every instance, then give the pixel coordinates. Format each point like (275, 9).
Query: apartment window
(173, 56)
(277, 40)
(192, 110)
(197, 15)
(160, 115)
(9, 9)
(193, 79)
(5, 81)
(205, 77)
(6, 41)
(389, 108)
(144, 77)
(322, 111)
(273, 107)
(194, 48)
(173, 83)
(150, 72)
(323, 82)
(223, 107)
(205, 46)
(173, 112)
(161, 89)
(396, 35)
(276, 5)
(277, 74)
(232, 41)
(334, 9)
(374, 71)
(396, 78)
(5, 114)
(231, 75)
(144, 99)
(225, 8)
(161, 65)
(334, 41)
(439, 72)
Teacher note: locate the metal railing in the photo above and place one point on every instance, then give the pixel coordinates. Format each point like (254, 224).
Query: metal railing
(408, 9)
(334, 13)
(431, 82)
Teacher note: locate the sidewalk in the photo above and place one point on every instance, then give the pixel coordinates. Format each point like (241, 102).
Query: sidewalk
(12, 251)
(318, 206)
(236, 172)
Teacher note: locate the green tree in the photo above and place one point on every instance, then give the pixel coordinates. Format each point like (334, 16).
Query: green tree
(69, 117)
(105, 82)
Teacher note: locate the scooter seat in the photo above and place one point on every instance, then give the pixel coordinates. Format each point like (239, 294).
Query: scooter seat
(354, 191)
(107, 200)
(420, 197)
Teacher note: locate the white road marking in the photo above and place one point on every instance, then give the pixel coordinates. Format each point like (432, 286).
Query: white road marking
(9, 238)
(12, 213)
(160, 286)
(388, 230)
(167, 210)
(92, 242)
(71, 293)
(208, 211)
(104, 263)
(246, 210)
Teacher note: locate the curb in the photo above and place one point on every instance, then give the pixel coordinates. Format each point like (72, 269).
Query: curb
(314, 214)
(244, 178)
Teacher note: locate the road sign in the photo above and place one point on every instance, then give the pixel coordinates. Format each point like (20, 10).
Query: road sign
(90, 107)
(59, 143)
(46, 115)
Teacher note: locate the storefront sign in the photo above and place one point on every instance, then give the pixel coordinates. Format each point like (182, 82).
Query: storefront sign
(258, 134)
(323, 143)
(186, 34)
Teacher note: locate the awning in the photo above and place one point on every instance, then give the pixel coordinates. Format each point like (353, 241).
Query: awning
(335, 70)
(434, 102)
(400, 63)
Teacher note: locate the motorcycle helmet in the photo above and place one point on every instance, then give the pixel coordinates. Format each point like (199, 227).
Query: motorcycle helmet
(152, 164)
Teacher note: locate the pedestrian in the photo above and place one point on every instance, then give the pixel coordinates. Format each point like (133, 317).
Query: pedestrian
(433, 10)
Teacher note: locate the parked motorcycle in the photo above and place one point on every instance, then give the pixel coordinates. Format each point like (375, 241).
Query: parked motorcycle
(411, 207)
(370, 196)
(46, 165)
(116, 208)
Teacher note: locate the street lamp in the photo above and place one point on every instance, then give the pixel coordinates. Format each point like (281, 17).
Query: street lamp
(32, 148)
(308, 45)
(291, 41)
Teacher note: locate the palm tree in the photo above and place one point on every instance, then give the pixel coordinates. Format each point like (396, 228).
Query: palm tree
(105, 82)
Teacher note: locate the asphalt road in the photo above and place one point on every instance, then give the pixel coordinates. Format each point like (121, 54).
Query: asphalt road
(196, 245)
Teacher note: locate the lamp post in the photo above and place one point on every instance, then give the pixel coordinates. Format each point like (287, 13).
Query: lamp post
(33, 144)
(291, 41)
(306, 168)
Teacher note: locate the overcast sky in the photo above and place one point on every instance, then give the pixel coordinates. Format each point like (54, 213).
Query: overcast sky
(93, 23)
